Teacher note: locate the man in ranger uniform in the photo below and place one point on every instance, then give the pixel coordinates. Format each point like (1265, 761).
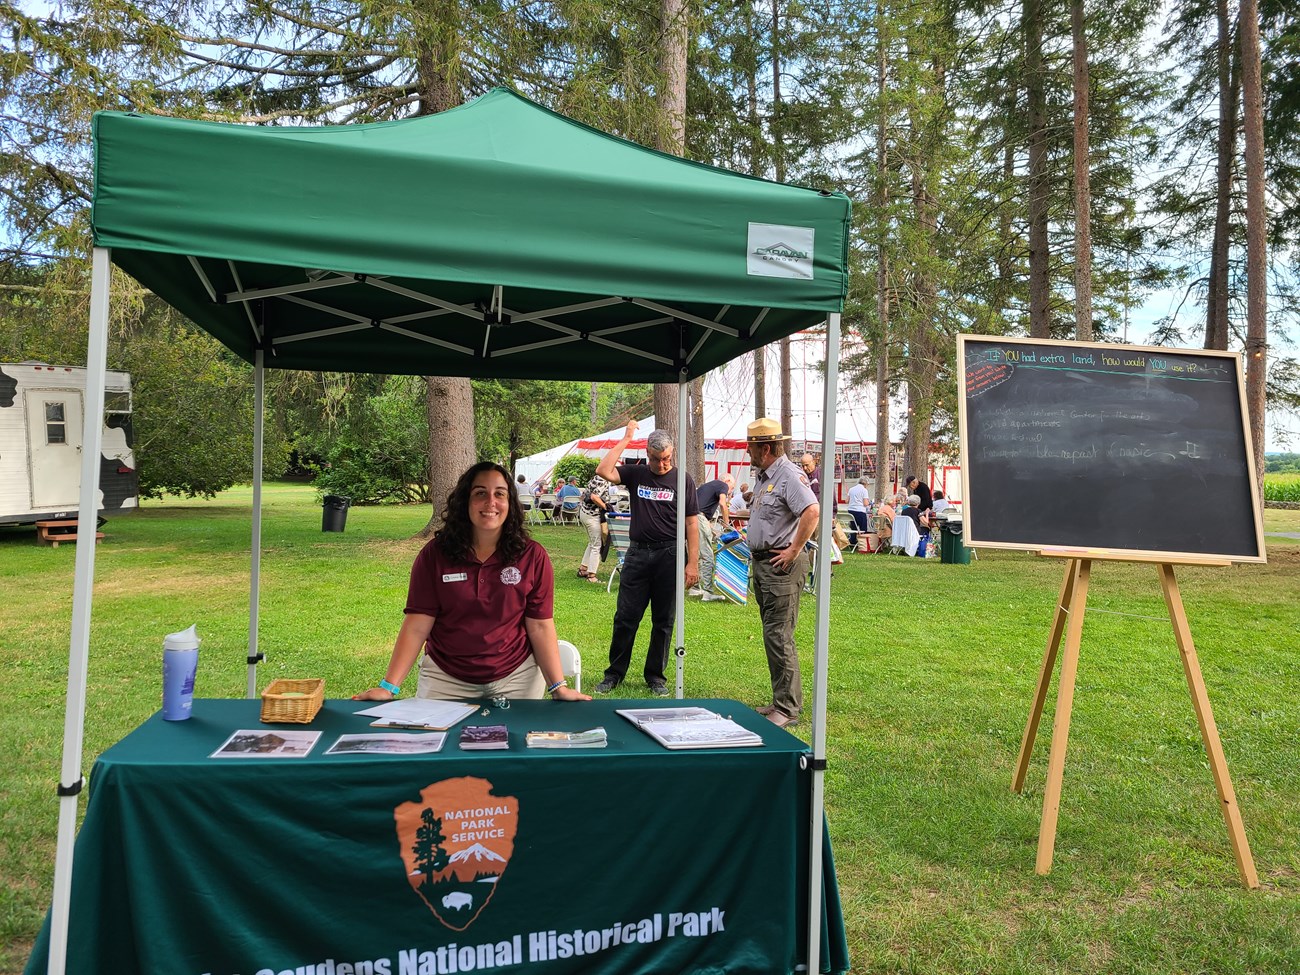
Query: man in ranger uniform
(782, 517)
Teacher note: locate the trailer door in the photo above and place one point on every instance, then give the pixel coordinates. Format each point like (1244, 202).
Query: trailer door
(54, 441)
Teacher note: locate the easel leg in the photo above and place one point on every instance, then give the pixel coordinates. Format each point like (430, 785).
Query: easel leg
(1045, 675)
(1061, 723)
(1209, 732)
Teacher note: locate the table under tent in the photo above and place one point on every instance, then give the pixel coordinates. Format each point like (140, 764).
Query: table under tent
(497, 239)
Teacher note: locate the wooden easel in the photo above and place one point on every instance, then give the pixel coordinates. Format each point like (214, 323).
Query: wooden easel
(1068, 619)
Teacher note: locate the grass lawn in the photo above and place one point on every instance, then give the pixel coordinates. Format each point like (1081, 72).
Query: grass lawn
(932, 671)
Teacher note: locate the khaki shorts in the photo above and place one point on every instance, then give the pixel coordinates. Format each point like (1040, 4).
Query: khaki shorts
(524, 684)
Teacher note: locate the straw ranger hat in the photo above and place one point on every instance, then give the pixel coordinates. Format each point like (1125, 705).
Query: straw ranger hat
(765, 430)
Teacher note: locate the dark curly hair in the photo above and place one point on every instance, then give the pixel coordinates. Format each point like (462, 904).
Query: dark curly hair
(456, 536)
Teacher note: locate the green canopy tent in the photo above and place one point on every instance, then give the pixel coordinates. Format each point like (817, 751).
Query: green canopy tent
(495, 239)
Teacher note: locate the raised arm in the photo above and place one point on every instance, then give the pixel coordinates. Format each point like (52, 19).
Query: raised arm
(608, 466)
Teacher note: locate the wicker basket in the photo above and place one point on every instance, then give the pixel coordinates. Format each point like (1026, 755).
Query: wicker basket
(277, 708)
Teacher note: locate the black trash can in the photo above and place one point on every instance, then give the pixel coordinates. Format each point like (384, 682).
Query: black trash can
(951, 548)
(334, 513)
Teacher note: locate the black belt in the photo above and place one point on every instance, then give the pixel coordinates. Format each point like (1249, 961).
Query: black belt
(762, 555)
(655, 546)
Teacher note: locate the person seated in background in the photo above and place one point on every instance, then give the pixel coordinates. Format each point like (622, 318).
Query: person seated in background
(480, 604)
(912, 511)
(524, 490)
(746, 495)
(567, 498)
(940, 502)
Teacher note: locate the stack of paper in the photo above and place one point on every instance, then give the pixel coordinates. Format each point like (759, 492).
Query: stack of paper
(595, 738)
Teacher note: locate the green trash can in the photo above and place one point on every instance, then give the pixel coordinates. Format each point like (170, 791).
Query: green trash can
(951, 549)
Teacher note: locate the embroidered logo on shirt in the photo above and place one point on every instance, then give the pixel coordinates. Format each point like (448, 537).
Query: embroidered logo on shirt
(653, 493)
(455, 576)
(511, 575)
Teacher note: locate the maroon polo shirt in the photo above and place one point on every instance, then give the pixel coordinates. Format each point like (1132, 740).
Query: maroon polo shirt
(480, 608)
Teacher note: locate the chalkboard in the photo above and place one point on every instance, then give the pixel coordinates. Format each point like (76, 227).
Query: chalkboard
(1135, 450)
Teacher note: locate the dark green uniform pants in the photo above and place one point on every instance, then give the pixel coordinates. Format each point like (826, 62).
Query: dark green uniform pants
(778, 606)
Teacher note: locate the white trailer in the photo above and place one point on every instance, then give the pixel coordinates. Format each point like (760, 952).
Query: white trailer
(41, 438)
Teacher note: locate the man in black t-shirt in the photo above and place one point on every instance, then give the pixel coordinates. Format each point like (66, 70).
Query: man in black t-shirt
(649, 572)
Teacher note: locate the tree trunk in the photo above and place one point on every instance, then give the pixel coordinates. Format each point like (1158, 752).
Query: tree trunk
(1082, 191)
(665, 409)
(451, 440)
(884, 484)
(760, 382)
(787, 396)
(1256, 234)
(593, 403)
(1040, 325)
(675, 34)
(923, 353)
(695, 440)
(1216, 304)
(450, 401)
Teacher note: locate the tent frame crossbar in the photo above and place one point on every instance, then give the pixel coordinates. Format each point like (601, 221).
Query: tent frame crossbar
(497, 312)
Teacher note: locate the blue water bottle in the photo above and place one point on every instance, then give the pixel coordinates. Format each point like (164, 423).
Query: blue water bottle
(180, 663)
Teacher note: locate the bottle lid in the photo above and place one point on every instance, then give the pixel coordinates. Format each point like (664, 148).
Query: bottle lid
(186, 639)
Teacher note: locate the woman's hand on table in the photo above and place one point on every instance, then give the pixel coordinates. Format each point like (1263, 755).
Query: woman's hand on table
(373, 694)
(567, 693)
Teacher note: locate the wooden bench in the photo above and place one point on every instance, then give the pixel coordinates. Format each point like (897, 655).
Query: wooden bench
(53, 532)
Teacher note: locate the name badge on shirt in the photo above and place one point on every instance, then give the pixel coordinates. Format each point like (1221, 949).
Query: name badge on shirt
(455, 577)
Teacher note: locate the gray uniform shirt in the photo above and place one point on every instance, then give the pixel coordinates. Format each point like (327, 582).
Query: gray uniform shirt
(781, 493)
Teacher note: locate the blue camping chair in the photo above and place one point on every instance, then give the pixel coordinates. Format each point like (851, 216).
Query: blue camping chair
(619, 539)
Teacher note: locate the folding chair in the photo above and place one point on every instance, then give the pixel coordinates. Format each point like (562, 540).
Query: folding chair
(569, 510)
(884, 534)
(532, 514)
(571, 663)
(731, 567)
(544, 505)
(619, 527)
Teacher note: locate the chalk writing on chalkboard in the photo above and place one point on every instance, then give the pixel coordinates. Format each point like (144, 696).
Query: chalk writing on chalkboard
(1100, 446)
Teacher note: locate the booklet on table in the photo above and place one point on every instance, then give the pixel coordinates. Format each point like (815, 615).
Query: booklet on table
(480, 737)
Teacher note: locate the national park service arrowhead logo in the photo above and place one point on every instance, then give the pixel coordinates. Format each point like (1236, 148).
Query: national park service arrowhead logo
(456, 842)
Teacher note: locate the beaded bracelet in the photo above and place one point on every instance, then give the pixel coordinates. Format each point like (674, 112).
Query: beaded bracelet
(556, 686)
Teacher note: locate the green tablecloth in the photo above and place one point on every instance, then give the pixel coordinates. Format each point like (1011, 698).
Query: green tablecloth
(631, 858)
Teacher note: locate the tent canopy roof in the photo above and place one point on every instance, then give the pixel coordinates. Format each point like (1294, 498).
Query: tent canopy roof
(494, 239)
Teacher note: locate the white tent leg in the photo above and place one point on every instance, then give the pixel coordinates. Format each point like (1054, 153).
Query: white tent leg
(74, 721)
(679, 622)
(259, 392)
(821, 641)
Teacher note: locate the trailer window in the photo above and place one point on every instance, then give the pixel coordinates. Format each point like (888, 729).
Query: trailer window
(116, 401)
(56, 425)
